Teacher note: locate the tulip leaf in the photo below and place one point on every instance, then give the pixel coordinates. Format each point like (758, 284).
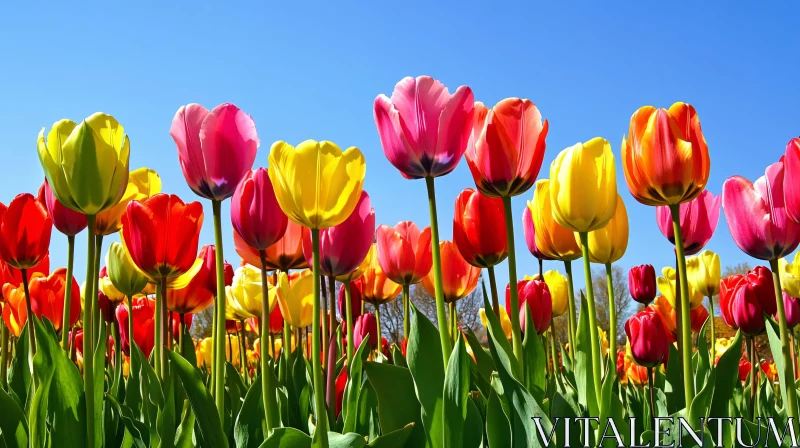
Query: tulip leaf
(209, 425)
(701, 403)
(394, 439)
(19, 379)
(727, 377)
(535, 361)
(188, 351)
(184, 435)
(99, 374)
(13, 426)
(367, 411)
(498, 428)
(704, 357)
(611, 408)
(287, 437)
(247, 431)
(394, 388)
(424, 356)
(483, 360)
(583, 362)
(353, 388)
(456, 390)
(777, 355)
(673, 385)
(473, 426)
(499, 341)
(165, 419)
(137, 431)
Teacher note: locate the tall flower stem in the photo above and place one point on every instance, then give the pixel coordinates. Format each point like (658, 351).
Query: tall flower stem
(406, 309)
(181, 329)
(214, 353)
(330, 370)
(98, 252)
(378, 324)
(572, 321)
(325, 330)
(553, 353)
(31, 328)
(348, 306)
(612, 312)
(593, 335)
(652, 395)
(452, 309)
(219, 337)
(493, 288)
(65, 327)
(512, 281)
(713, 330)
(159, 331)
(131, 367)
(319, 388)
(88, 333)
(753, 373)
(788, 364)
(270, 407)
(441, 315)
(243, 352)
(685, 329)
(3, 355)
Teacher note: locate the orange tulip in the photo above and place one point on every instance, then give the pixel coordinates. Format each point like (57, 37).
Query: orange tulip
(286, 254)
(459, 278)
(15, 313)
(665, 156)
(374, 285)
(47, 297)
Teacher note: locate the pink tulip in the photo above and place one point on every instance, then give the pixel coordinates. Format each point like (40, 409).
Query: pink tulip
(342, 248)
(423, 129)
(648, 338)
(530, 235)
(355, 302)
(255, 212)
(757, 215)
(536, 295)
(699, 219)
(366, 325)
(209, 270)
(67, 221)
(792, 181)
(216, 149)
(792, 307)
(404, 252)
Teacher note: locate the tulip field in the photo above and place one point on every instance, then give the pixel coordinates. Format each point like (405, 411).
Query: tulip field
(296, 359)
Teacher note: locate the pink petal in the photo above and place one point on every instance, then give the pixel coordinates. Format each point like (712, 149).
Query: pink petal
(393, 139)
(230, 142)
(185, 130)
(420, 103)
(747, 214)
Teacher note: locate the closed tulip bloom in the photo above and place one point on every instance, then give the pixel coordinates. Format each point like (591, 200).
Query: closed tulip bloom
(757, 215)
(668, 316)
(666, 285)
(529, 230)
(355, 301)
(255, 213)
(296, 299)
(216, 149)
(665, 156)
(122, 271)
(552, 239)
(342, 248)
(15, 313)
(459, 278)
(744, 299)
(144, 310)
(697, 317)
(642, 283)
(208, 254)
(557, 284)
(175, 324)
(424, 130)
(316, 184)
(792, 307)
(791, 161)
(86, 164)
(25, 229)
(404, 252)
(583, 186)
(65, 220)
(649, 344)
(13, 275)
(275, 320)
(161, 234)
(790, 275)
(142, 184)
(193, 297)
(366, 325)
(698, 219)
(507, 147)
(608, 245)
(703, 272)
(375, 286)
(104, 307)
(245, 293)
(478, 232)
(536, 295)
(505, 321)
(106, 286)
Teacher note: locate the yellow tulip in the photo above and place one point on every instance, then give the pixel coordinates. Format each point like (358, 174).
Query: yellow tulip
(722, 345)
(703, 273)
(86, 164)
(142, 183)
(244, 295)
(106, 286)
(790, 275)
(552, 239)
(583, 186)
(608, 244)
(557, 284)
(316, 184)
(204, 349)
(122, 272)
(505, 321)
(666, 285)
(296, 299)
(603, 337)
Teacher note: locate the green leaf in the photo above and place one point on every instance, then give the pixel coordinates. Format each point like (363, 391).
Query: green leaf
(210, 428)
(247, 431)
(535, 361)
(353, 388)
(352, 440)
(727, 376)
(99, 373)
(483, 360)
(394, 388)
(473, 426)
(185, 434)
(673, 386)
(499, 341)
(13, 427)
(498, 429)
(397, 357)
(165, 419)
(775, 346)
(19, 379)
(611, 408)
(394, 439)
(701, 403)
(424, 356)
(236, 390)
(368, 411)
(188, 348)
(137, 432)
(704, 357)
(456, 390)
(583, 362)
(287, 438)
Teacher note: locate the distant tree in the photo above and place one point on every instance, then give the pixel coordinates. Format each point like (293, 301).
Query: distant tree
(740, 268)
(623, 302)
(202, 323)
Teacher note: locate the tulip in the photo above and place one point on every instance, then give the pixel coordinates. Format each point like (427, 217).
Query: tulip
(666, 285)
(341, 383)
(459, 277)
(366, 325)
(505, 321)
(65, 220)
(792, 306)
(529, 231)
(557, 284)
(296, 300)
(792, 194)
(703, 272)
(649, 344)
(122, 271)
(355, 301)
(15, 313)
(698, 220)
(142, 184)
(375, 287)
(192, 298)
(105, 307)
(177, 322)
(744, 299)
(209, 256)
(143, 322)
(244, 296)
(284, 255)
(106, 286)
(255, 213)
(642, 283)
(536, 295)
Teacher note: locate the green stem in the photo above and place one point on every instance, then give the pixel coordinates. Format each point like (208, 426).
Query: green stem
(406, 310)
(788, 365)
(31, 327)
(3, 355)
(130, 335)
(612, 315)
(441, 317)
(493, 287)
(117, 350)
(753, 373)
(452, 309)
(266, 380)
(65, 326)
(88, 335)
(332, 306)
(243, 353)
(573, 321)
(325, 331)
(98, 318)
(348, 306)
(512, 281)
(553, 354)
(713, 330)
(686, 328)
(158, 327)
(214, 353)
(219, 337)
(181, 327)
(652, 395)
(594, 336)
(319, 390)
(378, 323)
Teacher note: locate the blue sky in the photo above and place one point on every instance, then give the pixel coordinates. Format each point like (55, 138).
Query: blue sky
(313, 70)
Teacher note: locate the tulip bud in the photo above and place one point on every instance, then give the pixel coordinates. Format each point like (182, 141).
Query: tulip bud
(355, 302)
(642, 283)
(536, 295)
(744, 299)
(366, 325)
(67, 221)
(255, 213)
(209, 255)
(649, 343)
(477, 230)
(703, 272)
(404, 252)
(792, 307)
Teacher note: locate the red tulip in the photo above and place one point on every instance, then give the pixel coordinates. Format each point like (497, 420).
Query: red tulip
(404, 252)
(284, 255)
(255, 213)
(507, 147)
(744, 299)
(143, 321)
(792, 180)
(161, 234)
(196, 296)
(529, 229)
(649, 343)
(233, 327)
(355, 302)
(176, 324)
(25, 228)
(275, 321)
(404, 346)
(209, 255)
(697, 318)
(792, 307)
(745, 367)
(621, 374)
(105, 307)
(536, 295)
(67, 221)
(341, 382)
(342, 248)
(13, 275)
(366, 325)
(642, 283)
(478, 229)
(385, 349)
(698, 219)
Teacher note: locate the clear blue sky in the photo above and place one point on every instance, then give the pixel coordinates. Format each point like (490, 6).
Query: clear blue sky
(312, 71)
